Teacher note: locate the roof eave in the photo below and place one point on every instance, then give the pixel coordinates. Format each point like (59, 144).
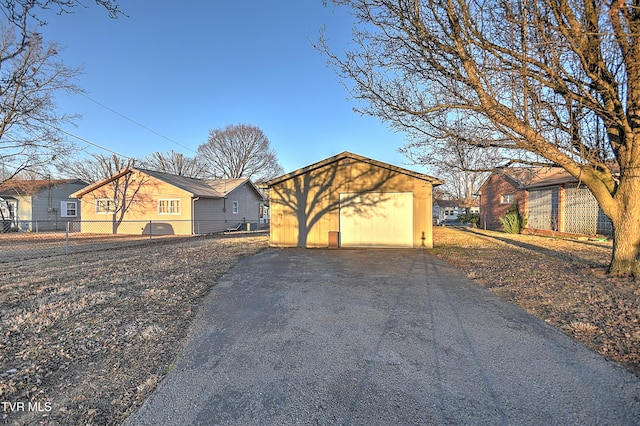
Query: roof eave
(346, 154)
(93, 187)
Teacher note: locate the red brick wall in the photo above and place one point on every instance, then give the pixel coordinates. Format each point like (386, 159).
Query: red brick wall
(491, 208)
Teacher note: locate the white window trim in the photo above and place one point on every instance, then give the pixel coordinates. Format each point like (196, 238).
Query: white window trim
(110, 206)
(170, 206)
(236, 207)
(64, 208)
(503, 199)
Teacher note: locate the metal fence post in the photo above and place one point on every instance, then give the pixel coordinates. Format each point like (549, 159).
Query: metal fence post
(66, 244)
(150, 230)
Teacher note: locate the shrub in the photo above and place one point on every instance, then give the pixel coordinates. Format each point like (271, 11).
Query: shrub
(472, 218)
(514, 222)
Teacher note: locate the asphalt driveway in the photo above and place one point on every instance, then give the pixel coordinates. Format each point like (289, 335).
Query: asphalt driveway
(379, 337)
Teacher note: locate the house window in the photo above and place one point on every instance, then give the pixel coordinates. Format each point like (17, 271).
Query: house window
(506, 199)
(68, 209)
(168, 206)
(235, 207)
(105, 206)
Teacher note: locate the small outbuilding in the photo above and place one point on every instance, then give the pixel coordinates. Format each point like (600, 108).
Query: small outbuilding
(351, 201)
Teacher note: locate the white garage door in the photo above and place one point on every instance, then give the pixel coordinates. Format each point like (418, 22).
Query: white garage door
(376, 219)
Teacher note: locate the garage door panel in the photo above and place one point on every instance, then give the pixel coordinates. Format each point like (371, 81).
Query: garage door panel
(376, 219)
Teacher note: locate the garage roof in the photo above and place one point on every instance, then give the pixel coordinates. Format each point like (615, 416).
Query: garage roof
(356, 157)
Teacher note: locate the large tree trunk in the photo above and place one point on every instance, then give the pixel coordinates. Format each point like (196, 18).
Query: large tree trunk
(625, 259)
(626, 246)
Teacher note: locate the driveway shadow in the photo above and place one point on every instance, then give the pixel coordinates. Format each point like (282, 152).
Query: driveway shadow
(571, 258)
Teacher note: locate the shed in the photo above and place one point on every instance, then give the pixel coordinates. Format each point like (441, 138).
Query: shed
(351, 201)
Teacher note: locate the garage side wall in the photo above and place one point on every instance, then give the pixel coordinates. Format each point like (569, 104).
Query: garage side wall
(306, 207)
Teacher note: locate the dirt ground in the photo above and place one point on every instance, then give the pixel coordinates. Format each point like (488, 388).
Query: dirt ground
(561, 281)
(85, 338)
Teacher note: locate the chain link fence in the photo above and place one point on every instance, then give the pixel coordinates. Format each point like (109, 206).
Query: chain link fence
(43, 239)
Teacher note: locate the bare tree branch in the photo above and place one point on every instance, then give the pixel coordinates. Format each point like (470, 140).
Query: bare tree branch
(240, 151)
(177, 164)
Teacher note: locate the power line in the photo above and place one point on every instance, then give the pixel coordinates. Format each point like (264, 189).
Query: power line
(84, 140)
(137, 123)
(93, 143)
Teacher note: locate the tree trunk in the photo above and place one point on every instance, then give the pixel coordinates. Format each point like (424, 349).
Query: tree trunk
(625, 259)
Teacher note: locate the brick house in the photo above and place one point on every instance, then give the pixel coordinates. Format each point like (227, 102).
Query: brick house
(550, 197)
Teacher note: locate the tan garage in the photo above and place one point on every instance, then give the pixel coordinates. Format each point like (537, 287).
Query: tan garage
(351, 201)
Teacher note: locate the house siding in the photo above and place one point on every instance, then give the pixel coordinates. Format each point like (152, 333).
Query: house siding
(305, 208)
(209, 216)
(40, 211)
(142, 211)
(200, 215)
(248, 206)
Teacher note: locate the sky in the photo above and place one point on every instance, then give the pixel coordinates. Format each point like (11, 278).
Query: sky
(162, 77)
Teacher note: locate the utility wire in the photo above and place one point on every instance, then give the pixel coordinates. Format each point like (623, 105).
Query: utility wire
(137, 123)
(92, 143)
(84, 140)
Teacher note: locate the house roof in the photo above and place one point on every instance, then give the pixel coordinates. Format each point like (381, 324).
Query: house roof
(530, 177)
(197, 187)
(218, 188)
(447, 203)
(22, 187)
(346, 154)
(534, 177)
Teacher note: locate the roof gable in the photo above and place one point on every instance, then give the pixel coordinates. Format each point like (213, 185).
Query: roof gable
(356, 157)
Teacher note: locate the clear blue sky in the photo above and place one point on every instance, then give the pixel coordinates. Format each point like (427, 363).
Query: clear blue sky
(182, 69)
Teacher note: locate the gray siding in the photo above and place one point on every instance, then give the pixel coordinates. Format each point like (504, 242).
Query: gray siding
(216, 215)
(248, 205)
(209, 216)
(41, 211)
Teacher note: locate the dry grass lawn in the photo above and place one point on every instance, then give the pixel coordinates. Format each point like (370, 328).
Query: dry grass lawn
(85, 338)
(560, 281)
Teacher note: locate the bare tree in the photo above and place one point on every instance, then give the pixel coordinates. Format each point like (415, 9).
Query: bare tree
(462, 166)
(240, 151)
(534, 76)
(30, 75)
(98, 168)
(178, 164)
(29, 120)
